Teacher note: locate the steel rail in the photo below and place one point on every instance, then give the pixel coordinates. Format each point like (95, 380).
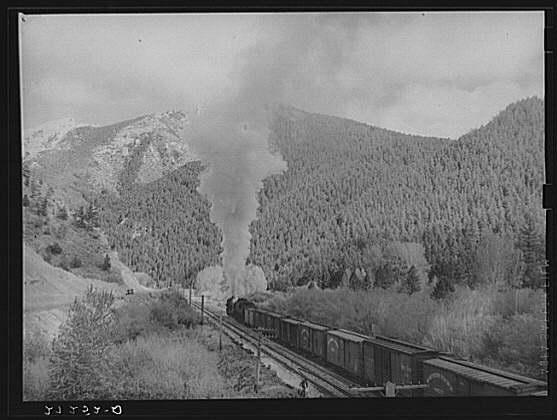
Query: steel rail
(327, 382)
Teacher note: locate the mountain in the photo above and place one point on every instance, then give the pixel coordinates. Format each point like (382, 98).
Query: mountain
(353, 195)
(79, 159)
(350, 194)
(351, 188)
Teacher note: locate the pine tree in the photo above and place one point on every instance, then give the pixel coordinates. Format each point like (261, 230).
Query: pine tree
(411, 284)
(106, 263)
(43, 207)
(62, 213)
(531, 243)
(79, 217)
(443, 287)
(79, 366)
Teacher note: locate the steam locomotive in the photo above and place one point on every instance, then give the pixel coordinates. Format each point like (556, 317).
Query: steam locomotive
(375, 360)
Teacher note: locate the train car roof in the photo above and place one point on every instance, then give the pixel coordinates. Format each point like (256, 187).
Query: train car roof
(478, 374)
(540, 393)
(315, 326)
(347, 335)
(399, 345)
(268, 312)
(291, 320)
(518, 378)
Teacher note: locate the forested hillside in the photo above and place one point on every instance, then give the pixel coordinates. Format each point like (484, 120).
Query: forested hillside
(361, 205)
(162, 226)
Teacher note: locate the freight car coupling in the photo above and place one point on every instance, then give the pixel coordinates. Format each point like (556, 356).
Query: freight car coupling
(389, 390)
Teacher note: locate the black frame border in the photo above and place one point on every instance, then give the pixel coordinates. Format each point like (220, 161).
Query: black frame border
(479, 407)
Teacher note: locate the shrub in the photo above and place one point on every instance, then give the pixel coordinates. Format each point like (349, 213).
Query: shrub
(181, 313)
(35, 346)
(518, 343)
(75, 262)
(164, 314)
(106, 263)
(54, 249)
(113, 277)
(80, 361)
(64, 264)
(133, 319)
(163, 366)
(62, 213)
(35, 379)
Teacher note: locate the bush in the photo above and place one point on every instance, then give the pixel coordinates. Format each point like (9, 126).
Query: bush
(80, 362)
(133, 319)
(113, 277)
(182, 312)
(519, 344)
(163, 366)
(35, 346)
(164, 313)
(106, 263)
(54, 249)
(75, 262)
(64, 264)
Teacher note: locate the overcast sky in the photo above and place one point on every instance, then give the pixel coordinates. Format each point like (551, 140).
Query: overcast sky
(438, 74)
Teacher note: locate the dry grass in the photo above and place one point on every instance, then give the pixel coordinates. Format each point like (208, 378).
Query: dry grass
(169, 366)
(35, 379)
(36, 350)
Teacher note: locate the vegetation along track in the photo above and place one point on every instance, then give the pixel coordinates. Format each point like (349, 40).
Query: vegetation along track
(327, 382)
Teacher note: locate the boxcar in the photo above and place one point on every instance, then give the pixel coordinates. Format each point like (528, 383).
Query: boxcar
(318, 341)
(246, 316)
(288, 331)
(344, 349)
(249, 317)
(258, 318)
(387, 359)
(272, 320)
(311, 338)
(449, 377)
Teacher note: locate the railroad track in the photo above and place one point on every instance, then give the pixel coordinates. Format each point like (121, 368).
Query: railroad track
(327, 382)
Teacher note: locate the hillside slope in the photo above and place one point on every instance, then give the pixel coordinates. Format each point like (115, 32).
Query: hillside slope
(48, 291)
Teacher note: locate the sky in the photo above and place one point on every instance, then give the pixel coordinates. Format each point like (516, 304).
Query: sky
(435, 74)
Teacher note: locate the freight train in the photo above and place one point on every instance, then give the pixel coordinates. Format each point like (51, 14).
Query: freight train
(376, 360)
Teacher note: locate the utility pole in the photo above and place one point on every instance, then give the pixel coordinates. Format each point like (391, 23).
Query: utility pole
(258, 361)
(220, 332)
(202, 307)
(191, 284)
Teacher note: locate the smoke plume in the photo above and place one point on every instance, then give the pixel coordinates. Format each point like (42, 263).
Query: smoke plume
(231, 135)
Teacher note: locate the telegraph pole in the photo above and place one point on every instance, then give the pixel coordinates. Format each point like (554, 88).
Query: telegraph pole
(191, 284)
(258, 361)
(202, 307)
(220, 332)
